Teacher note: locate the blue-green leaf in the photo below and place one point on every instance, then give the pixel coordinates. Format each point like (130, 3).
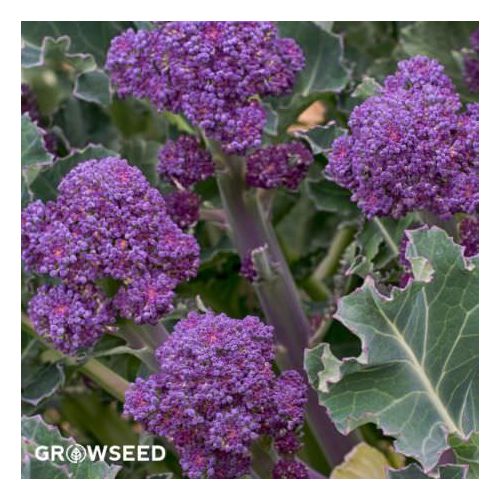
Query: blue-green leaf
(417, 376)
(93, 86)
(91, 36)
(324, 70)
(34, 433)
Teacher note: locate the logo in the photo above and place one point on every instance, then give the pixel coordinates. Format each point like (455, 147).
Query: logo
(75, 453)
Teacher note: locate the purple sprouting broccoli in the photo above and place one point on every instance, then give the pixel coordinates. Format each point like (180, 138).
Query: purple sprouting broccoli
(184, 162)
(471, 64)
(107, 222)
(469, 235)
(183, 207)
(278, 165)
(147, 298)
(216, 393)
(290, 469)
(411, 147)
(212, 72)
(71, 317)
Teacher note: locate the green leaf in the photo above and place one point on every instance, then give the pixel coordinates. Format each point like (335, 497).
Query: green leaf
(438, 39)
(367, 88)
(413, 471)
(55, 54)
(91, 36)
(35, 432)
(321, 50)
(330, 197)
(93, 86)
(39, 379)
(417, 376)
(33, 152)
(467, 452)
(369, 46)
(33, 157)
(320, 138)
(304, 230)
(42, 382)
(362, 462)
(452, 471)
(378, 244)
(30, 55)
(45, 185)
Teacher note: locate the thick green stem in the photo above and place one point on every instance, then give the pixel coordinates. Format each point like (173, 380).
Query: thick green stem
(106, 378)
(393, 245)
(339, 243)
(278, 296)
(314, 285)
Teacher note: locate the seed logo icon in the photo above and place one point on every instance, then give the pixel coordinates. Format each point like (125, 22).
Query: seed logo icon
(75, 453)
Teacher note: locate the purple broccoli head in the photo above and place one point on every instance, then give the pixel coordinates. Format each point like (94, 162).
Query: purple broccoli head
(216, 393)
(410, 147)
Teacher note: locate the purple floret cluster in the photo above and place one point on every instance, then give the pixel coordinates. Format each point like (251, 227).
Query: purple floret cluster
(290, 469)
(106, 223)
(184, 162)
(471, 64)
(212, 72)
(70, 317)
(183, 207)
(469, 235)
(411, 147)
(281, 165)
(216, 393)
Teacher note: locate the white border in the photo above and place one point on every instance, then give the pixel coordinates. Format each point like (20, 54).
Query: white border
(254, 10)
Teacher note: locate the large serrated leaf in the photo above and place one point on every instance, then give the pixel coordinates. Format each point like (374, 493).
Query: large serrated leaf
(36, 432)
(417, 376)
